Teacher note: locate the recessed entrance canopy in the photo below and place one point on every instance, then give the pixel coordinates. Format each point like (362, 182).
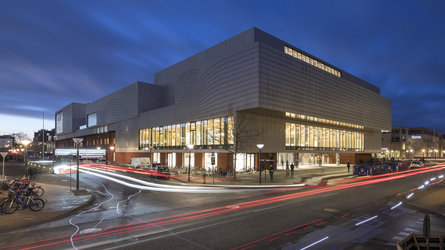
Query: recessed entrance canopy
(85, 153)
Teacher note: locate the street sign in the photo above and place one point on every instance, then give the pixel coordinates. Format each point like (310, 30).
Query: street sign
(4, 154)
(426, 226)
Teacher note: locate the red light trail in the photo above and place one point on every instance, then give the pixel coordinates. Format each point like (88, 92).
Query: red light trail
(175, 219)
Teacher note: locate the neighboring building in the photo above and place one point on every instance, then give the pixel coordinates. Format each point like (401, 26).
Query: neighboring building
(406, 142)
(6, 141)
(297, 105)
(48, 140)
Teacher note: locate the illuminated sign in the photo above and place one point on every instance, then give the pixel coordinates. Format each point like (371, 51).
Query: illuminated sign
(416, 137)
(83, 152)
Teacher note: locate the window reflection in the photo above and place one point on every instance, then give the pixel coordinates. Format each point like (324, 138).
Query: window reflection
(306, 136)
(216, 131)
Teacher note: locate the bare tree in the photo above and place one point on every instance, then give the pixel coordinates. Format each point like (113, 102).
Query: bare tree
(240, 133)
(415, 145)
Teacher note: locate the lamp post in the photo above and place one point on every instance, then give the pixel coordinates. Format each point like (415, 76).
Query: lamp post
(435, 154)
(77, 141)
(190, 147)
(25, 143)
(412, 155)
(260, 146)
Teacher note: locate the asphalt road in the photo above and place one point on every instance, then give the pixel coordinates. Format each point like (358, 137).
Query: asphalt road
(342, 215)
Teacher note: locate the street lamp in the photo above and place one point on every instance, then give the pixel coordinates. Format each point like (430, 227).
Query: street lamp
(435, 154)
(25, 143)
(190, 147)
(260, 146)
(77, 141)
(412, 155)
(423, 151)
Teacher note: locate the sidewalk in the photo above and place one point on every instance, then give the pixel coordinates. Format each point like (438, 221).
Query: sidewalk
(59, 203)
(309, 176)
(431, 202)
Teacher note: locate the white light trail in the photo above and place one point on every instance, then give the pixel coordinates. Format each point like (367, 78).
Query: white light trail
(398, 204)
(366, 220)
(427, 182)
(441, 176)
(410, 195)
(432, 179)
(306, 247)
(77, 227)
(166, 188)
(421, 187)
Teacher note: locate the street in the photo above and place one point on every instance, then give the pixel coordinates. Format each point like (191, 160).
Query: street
(344, 214)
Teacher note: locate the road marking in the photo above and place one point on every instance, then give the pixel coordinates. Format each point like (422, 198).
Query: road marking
(404, 233)
(410, 230)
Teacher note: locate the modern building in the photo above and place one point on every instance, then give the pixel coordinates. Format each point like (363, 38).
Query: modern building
(250, 89)
(403, 142)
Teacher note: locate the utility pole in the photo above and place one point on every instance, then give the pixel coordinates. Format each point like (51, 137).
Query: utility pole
(43, 138)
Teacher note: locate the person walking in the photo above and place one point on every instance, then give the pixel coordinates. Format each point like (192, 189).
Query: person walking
(349, 166)
(292, 169)
(271, 172)
(287, 168)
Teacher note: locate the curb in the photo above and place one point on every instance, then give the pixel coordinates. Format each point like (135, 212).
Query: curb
(47, 218)
(423, 209)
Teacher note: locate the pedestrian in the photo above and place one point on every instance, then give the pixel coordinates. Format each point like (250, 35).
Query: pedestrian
(292, 169)
(348, 165)
(271, 172)
(287, 168)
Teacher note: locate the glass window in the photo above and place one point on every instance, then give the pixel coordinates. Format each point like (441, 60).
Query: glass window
(92, 120)
(230, 130)
(59, 122)
(217, 131)
(210, 132)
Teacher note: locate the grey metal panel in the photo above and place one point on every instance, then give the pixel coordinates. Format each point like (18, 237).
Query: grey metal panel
(208, 89)
(287, 84)
(277, 44)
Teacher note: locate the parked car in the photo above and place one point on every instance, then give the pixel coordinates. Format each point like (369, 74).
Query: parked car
(159, 171)
(416, 164)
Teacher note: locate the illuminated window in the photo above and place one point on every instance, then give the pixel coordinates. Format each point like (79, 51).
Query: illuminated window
(298, 135)
(59, 122)
(311, 61)
(92, 120)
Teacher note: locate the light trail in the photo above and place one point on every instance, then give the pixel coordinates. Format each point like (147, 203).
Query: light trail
(410, 195)
(218, 211)
(397, 205)
(315, 243)
(77, 227)
(369, 219)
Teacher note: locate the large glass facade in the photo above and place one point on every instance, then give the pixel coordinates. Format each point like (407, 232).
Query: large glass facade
(210, 133)
(308, 137)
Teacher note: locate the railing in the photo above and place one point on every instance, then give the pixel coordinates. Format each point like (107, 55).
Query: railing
(417, 241)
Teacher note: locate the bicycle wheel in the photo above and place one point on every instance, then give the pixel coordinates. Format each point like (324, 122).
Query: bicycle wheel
(10, 206)
(36, 204)
(39, 191)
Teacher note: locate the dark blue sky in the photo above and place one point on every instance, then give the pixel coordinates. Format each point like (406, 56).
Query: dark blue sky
(56, 52)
